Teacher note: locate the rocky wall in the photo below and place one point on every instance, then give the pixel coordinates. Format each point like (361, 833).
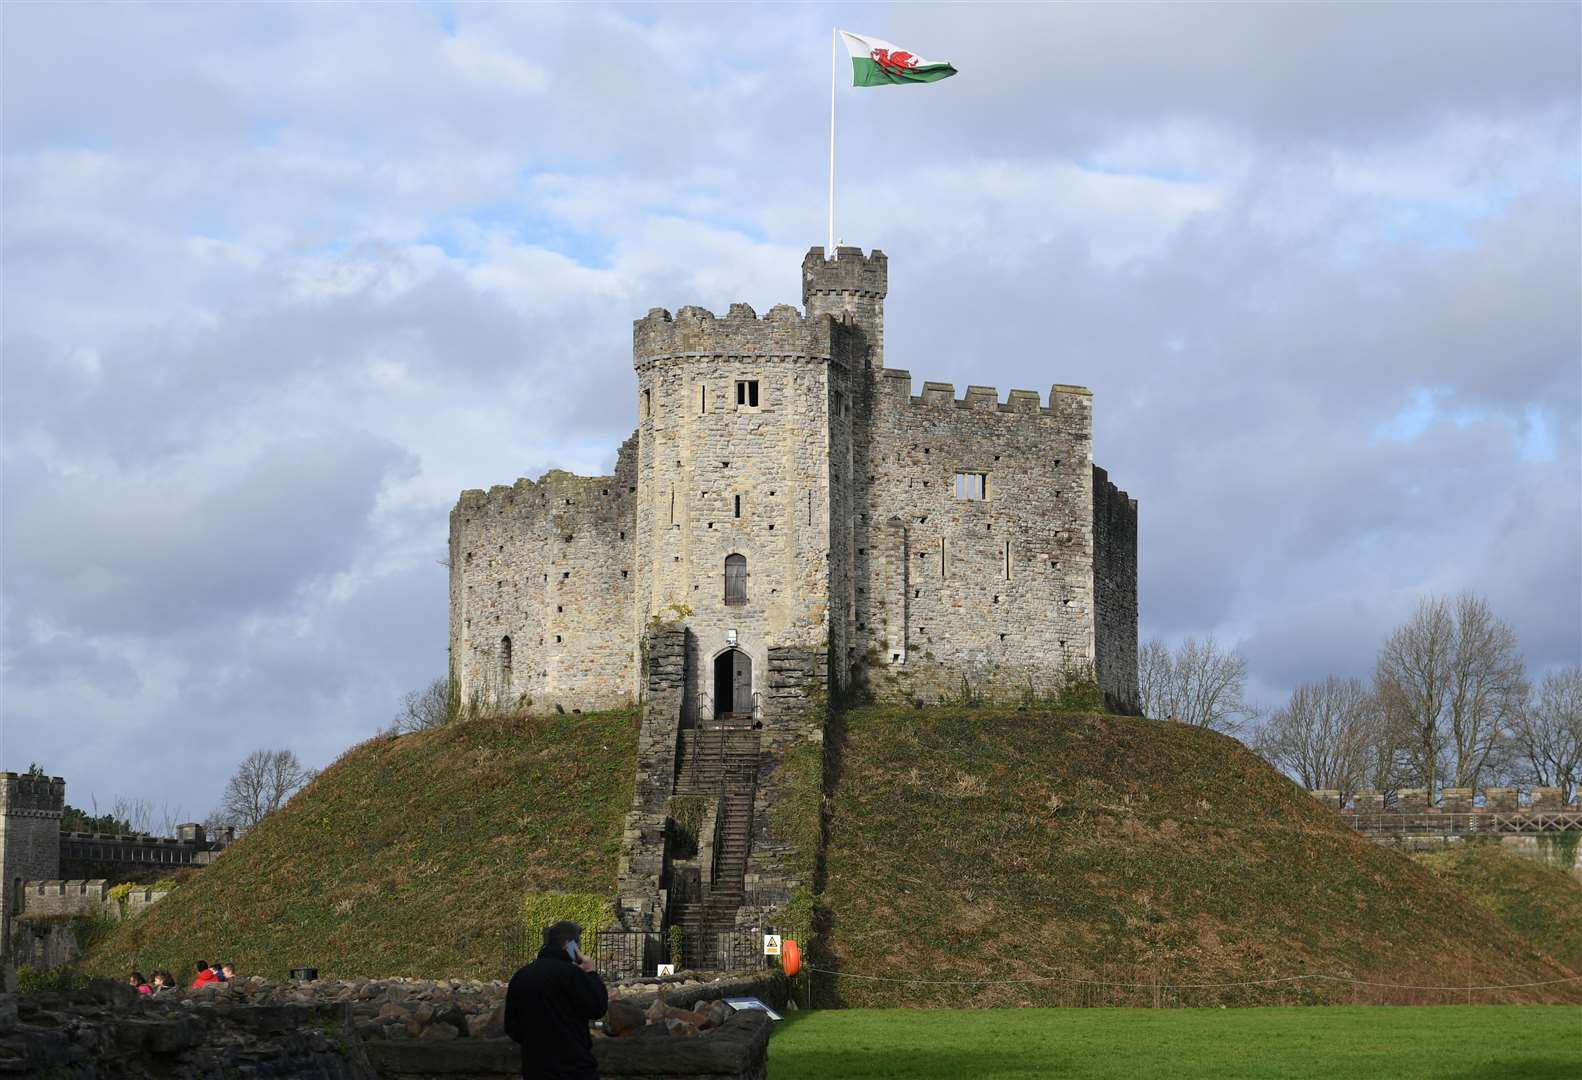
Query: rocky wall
(995, 592)
(1115, 594)
(541, 578)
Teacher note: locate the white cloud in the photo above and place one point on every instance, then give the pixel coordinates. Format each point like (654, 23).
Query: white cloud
(281, 280)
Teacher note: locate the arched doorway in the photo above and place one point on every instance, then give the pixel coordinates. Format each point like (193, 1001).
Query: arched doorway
(733, 684)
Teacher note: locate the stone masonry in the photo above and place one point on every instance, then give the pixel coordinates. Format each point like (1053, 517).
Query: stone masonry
(787, 521)
(922, 542)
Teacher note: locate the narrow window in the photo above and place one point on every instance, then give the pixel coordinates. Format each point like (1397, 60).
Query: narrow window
(942, 558)
(840, 404)
(747, 393)
(972, 487)
(738, 506)
(505, 663)
(1007, 560)
(672, 506)
(648, 402)
(736, 579)
(703, 399)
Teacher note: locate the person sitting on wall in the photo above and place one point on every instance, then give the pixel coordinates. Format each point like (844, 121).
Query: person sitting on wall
(548, 1005)
(163, 980)
(205, 975)
(227, 972)
(136, 979)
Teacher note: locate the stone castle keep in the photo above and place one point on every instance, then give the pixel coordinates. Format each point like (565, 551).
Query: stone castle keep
(788, 521)
(808, 521)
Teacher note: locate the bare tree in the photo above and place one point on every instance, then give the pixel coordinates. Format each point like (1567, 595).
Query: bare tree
(1153, 677)
(138, 813)
(1451, 682)
(1325, 736)
(261, 785)
(431, 707)
(1199, 684)
(1548, 733)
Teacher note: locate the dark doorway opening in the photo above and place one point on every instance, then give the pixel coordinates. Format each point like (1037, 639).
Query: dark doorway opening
(733, 684)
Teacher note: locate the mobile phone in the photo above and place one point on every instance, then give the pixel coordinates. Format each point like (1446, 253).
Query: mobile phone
(571, 951)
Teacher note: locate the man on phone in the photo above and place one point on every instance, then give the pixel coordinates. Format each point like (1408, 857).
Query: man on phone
(548, 1005)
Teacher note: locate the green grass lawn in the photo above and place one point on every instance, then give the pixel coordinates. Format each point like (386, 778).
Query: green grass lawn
(1518, 1042)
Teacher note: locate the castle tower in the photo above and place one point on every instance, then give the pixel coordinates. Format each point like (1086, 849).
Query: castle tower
(850, 287)
(739, 421)
(30, 813)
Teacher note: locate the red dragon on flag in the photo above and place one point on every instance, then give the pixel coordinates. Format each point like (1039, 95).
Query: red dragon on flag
(893, 59)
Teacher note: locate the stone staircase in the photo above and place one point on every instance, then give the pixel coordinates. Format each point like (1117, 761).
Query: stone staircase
(722, 763)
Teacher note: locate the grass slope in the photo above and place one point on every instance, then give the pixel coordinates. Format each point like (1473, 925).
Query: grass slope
(408, 856)
(1543, 904)
(996, 844)
(1508, 1041)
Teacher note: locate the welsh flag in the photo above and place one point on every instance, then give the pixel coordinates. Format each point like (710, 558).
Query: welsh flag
(879, 63)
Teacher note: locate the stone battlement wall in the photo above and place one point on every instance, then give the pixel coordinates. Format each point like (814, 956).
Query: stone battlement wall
(995, 594)
(851, 289)
(31, 794)
(695, 332)
(135, 856)
(897, 382)
(1115, 594)
(547, 565)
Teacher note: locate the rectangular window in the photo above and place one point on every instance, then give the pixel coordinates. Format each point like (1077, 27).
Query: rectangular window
(747, 393)
(840, 404)
(1007, 560)
(972, 486)
(647, 404)
(942, 562)
(738, 506)
(703, 399)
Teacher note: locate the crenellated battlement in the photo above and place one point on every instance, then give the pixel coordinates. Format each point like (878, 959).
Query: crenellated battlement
(557, 491)
(897, 383)
(32, 794)
(850, 272)
(694, 332)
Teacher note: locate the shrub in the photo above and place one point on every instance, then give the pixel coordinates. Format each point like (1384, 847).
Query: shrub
(33, 981)
(591, 911)
(688, 813)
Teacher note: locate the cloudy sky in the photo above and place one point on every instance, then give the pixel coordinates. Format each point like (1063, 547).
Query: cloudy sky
(281, 280)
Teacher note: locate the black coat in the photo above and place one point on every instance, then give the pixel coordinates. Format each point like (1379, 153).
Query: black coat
(547, 1009)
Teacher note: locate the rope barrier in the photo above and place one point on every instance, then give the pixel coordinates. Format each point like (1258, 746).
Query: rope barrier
(1272, 980)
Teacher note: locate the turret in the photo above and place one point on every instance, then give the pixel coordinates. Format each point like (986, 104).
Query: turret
(851, 287)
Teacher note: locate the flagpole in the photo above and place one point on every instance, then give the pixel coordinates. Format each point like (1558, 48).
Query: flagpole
(834, 57)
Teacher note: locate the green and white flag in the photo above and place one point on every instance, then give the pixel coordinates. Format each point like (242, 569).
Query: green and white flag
(878, 63)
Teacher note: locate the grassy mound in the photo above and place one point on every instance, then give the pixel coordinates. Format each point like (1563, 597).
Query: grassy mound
(408, 856)
(1540, 903)
(994, 844)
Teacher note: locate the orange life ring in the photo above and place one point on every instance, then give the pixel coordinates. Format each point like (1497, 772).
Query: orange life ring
(790, 957)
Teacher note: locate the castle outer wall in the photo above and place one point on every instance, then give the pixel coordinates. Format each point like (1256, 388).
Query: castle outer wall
(834, 489)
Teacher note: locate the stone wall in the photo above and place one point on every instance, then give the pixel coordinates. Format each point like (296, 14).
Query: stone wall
(643, 871)
(996, 591)
(118, 857)
(547, 566)
(837, 486)
(1115, 594)
(30, 814)
(720, 476)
